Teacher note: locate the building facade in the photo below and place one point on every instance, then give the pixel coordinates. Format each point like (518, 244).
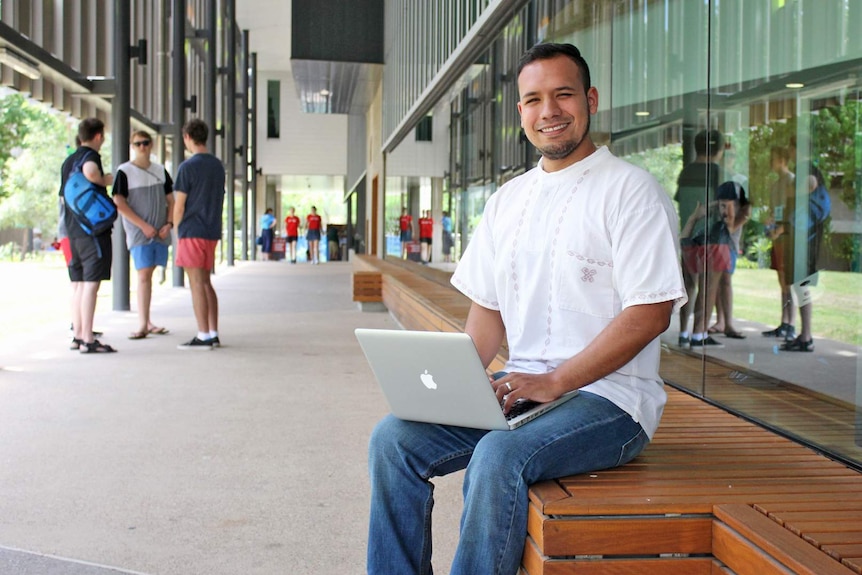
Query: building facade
(767, 75)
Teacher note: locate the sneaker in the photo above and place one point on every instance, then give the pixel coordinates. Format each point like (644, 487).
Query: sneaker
(708, 341)
(215, 342)
(197, 344)
(683, 341)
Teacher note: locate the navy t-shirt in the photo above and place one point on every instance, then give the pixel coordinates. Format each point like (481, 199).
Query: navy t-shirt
(202, 179)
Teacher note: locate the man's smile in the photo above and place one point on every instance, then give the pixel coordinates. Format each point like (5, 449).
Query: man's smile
(549, 130)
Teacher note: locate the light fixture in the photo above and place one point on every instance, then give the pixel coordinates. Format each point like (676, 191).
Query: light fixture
(642, 113)
(19, 63)
(794, 85)
(325, 92)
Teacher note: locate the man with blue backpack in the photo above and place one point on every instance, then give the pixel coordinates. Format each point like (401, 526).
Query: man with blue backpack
(88, 221)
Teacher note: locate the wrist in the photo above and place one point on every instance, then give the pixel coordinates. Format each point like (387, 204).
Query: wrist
(169, 224)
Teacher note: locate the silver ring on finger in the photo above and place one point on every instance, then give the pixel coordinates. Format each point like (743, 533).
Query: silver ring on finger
(508, 386)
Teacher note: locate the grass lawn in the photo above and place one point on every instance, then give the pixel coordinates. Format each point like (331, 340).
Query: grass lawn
(837, 303)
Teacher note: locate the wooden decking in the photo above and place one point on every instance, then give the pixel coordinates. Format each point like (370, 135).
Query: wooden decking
(712, 494)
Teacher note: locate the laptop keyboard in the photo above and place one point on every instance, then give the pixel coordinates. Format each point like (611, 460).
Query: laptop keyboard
(521, 407)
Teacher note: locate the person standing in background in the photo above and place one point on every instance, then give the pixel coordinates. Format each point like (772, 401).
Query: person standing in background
(697, 180)
(818, 209)
(267, 233)
(143, 191)
(90, 256)
(198, 206)
(291, 232)
(426, 232)
(782, 190)
(724, 300)
(405, 227)
(313, 223)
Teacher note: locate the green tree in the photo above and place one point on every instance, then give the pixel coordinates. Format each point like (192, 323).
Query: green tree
(31, 176)
(14, 126)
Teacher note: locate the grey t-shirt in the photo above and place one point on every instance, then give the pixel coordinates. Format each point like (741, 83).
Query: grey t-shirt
(145, 191)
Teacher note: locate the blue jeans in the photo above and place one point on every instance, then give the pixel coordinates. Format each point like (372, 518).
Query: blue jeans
(587, 433)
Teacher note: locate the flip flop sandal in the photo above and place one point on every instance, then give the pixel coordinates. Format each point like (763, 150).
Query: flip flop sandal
(734, 335)
(160, 331)
(97, 347)
(138, 335)
(76, 344)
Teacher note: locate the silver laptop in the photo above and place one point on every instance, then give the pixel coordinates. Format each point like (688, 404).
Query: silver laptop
(437, 377)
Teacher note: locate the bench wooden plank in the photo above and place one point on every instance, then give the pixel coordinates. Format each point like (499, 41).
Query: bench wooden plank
(742, 523)
(627, 535)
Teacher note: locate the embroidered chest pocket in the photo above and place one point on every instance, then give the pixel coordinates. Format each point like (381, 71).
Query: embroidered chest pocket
(585, 284)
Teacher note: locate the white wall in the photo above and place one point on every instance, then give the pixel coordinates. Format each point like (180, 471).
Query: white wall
(412, 158)
(309, 144)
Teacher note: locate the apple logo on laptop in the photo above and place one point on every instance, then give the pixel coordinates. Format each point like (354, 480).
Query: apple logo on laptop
(428, 380)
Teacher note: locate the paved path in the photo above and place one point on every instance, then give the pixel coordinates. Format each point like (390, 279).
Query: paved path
(250, 459)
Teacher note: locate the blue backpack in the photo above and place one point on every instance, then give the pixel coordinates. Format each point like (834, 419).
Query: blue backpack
(91, 207)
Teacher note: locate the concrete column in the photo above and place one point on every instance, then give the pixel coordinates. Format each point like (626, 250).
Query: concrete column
(244, 145)
(252, 157)
(120, 131)
(228, 126)
(178, 108)
(437, 215)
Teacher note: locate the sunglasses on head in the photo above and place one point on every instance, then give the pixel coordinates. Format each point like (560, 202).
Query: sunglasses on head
(142, 143)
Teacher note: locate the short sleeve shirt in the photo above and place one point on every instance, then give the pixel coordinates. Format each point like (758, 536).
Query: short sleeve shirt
(426, 227)
(83, 154)
(146, 191)
(405, 221)
(313, 221)
(561, 254)
(291, 223)
(202, 179)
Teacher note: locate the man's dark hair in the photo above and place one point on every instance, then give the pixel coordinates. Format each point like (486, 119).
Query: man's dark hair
(197, 130)
(89, 128)
(550, 50)
(708, 142)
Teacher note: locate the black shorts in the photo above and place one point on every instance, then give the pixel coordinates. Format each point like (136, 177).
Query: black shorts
(425, 241)
(291, 239)
(91, 259)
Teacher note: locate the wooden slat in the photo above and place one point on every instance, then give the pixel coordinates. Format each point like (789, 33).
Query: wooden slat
(760, 532)
(627, 535)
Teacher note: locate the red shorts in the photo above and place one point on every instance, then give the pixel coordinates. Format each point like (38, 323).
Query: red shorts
(66, 248)
(196, 253)
(713, 257)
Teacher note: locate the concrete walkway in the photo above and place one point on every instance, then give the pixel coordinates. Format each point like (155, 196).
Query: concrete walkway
(250, 459)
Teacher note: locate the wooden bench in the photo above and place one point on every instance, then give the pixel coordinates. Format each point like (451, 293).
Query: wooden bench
(712, 494)
(709, 493)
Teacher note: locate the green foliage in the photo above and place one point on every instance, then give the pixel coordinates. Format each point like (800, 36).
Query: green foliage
(15, 116)
(664, 163)
(31, 178)
(10, 252)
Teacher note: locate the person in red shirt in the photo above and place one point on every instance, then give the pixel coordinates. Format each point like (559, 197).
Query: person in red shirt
(313, 224)
(426, 230)
(405, 225)
(291, 232)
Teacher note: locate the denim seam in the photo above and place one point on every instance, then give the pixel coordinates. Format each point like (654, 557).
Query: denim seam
(428, 474)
